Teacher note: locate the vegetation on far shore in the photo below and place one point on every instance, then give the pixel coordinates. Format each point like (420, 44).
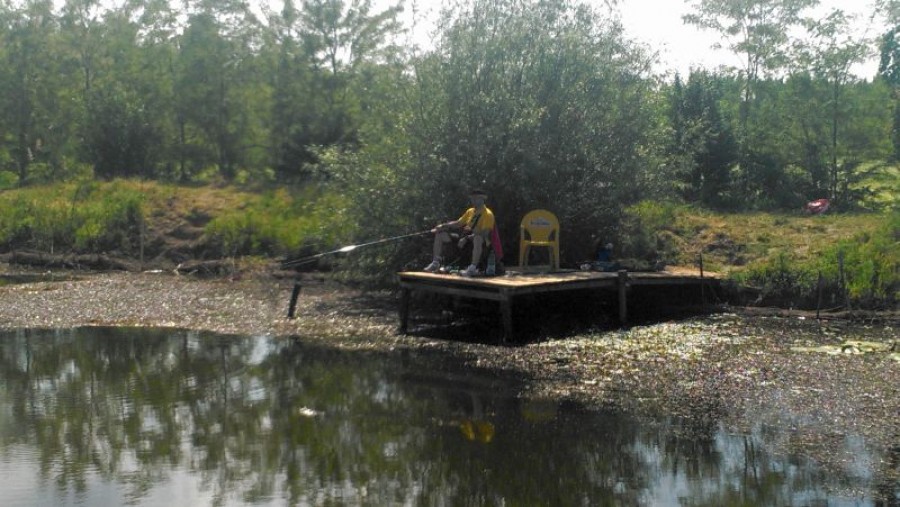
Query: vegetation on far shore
(782, 254)
(175, 132)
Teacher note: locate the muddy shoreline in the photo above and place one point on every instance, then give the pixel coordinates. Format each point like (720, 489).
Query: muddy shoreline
(735, 369)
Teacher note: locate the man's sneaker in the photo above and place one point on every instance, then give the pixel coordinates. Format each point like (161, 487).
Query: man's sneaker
(470, 271)
(434, 266)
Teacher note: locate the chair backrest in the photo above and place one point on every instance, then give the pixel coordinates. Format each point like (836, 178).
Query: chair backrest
(540, 225)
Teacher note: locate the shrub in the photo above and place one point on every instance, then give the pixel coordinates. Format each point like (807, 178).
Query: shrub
(8, 180)
(862, 271)
(279, 223)
(74, 216)
(109, 219)
(867, 267)
(783, 280)
(643, 231)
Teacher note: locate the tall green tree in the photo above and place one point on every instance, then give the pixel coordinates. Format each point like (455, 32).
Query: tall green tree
(806, 131)
(142, 44)
(82, 30)
(202, 87)
(889, 66)
(543, 104)
(121, 135)
(32, 85)
(120, 140)
(214, 72)
(294, 108)
(704, 146)
(829, 54)
(329, 51)
(757, 31)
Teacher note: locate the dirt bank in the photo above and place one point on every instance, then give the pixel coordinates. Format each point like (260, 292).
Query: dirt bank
(727, 368)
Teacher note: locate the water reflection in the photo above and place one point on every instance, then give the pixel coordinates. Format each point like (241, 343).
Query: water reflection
(159, 417)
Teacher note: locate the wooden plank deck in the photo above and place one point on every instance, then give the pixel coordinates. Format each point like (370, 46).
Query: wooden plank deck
(504, 289)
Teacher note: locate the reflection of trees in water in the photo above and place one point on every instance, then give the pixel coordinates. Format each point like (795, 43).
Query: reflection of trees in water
(260, 418)
(887, 478)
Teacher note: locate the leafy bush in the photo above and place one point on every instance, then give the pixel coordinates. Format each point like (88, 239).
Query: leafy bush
(108, 219)
(525, 127)
(864, 271)
(8, 180)
(280, 223)
(75, 216)
(655, 215)
(782, 280)
(34, 217)
(871, 264)
(642, 233)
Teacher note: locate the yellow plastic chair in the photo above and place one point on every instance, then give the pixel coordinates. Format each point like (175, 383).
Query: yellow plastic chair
(539, 228)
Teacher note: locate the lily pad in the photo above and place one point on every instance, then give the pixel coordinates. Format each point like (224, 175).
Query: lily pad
(852, 347)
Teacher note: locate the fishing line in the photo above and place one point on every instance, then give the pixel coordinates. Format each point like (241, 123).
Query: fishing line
(349, 248)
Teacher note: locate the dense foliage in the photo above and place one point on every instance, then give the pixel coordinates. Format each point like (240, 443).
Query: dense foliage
(509, 91)
(81, 216)
(861, 270)
(543, 103)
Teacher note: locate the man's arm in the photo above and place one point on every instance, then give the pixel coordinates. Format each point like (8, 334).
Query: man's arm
(459, 223)
(453, 224)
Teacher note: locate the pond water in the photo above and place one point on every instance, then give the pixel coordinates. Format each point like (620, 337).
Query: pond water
(103, 416)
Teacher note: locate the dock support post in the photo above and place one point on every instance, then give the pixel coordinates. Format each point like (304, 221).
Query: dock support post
(506, 317)
(295, 294)
(404, 310)
(623, 302)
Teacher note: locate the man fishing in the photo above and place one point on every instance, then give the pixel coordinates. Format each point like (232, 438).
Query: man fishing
(475, 225)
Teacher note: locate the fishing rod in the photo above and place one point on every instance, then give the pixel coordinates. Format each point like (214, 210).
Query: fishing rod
(349, 248)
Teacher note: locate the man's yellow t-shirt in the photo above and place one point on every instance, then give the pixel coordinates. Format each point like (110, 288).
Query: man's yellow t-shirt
(481, 221)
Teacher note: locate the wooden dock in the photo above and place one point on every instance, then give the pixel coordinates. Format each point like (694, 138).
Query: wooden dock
(504, 289)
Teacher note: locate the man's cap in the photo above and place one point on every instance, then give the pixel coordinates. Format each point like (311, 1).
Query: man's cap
(477, 191)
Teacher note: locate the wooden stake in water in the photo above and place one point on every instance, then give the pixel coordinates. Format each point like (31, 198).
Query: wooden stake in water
(819, 286)
(842, 282)
(295, 294)
(702, 285)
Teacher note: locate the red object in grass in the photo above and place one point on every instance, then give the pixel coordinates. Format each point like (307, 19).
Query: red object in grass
(818, 206)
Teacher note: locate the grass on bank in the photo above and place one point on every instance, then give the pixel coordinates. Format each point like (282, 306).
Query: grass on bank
(280, 223)
(117, 216)
(784, 255)
(860, 270)
(82, 216)
(858, 255)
